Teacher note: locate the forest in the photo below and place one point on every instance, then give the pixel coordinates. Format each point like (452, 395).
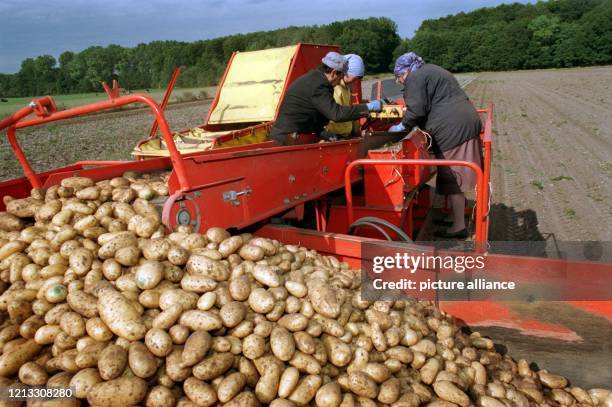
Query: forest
(548, 34)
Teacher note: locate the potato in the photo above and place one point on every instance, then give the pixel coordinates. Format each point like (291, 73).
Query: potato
(244, 399)
(201, 320)
(329, 395)
(10, 248)
(389, 391)
(362, 385)
(306, 390)
(149, 274)
(98, 330)
(168, 317)
(270, 369)
(160, 396)
(84, 380)
(124, 391)
(120, 315)
(156, 249)
(11, 361)
(178, 255)
(450, 392)
(141, 361)
(196, 347)
(169, 297)
(296, 288)
(29, 327)
(24, 208)
(253, 346)
(179, 334)
(112, 362)
(198, 283)
(377, 371)
(305, 363)
(213, 366)
(77, 183)
(217, 235)
(230, 245)
(251, 252)
(89, 355)
(126, 195)
(32, 374)
(266, 275)
(232, 313)
(158, 342)
(551, 380)
(204, 266)
(338, 352)
(201, 393)
(230, 386)
(127, 256)
(10, 222)
(261, 301)
(147, 226)
(73, 324)
(282, 344)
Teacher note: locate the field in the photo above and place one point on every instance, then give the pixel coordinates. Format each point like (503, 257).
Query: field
(552, 158)
(552, 164)
(67, 101)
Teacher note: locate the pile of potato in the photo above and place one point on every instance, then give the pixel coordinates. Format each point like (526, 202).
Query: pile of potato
(97, 295)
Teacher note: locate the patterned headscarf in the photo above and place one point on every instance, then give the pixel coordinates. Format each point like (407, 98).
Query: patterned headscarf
(407, 62)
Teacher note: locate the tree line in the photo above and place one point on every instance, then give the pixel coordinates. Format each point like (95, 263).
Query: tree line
(552, 34)
(548, 34)
(202, 62)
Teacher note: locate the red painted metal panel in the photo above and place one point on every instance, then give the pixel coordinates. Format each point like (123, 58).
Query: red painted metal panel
(237, 189)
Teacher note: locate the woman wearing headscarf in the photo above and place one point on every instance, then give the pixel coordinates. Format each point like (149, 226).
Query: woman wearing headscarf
(436, 103)
(309, 104)
(342, 93)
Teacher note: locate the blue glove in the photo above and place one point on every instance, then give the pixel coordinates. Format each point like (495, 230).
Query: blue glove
(397, 128)
(375, 105)
(328, 136)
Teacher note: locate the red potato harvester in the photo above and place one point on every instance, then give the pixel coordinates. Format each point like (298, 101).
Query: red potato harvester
(332, 197)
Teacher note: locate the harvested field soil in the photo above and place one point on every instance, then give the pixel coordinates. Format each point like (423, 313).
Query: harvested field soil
(552, 153)
(109, 136)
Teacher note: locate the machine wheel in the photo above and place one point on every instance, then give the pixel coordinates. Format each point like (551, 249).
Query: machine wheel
(377, 223)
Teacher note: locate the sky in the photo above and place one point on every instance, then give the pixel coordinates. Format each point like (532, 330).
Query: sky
(33, 28)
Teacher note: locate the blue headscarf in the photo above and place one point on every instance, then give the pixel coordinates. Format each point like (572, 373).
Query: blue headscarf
(407, 62)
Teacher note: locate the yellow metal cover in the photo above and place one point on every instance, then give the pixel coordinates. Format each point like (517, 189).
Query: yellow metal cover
(253, 86)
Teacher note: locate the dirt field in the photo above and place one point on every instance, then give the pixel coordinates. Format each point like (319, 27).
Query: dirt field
(104, 137)
(552, 158)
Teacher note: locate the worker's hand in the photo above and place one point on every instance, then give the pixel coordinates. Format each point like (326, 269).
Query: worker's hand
(397, 128)
(328, 136)
(375, 105)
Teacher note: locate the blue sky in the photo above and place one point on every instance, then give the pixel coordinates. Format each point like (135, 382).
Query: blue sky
(32, 28)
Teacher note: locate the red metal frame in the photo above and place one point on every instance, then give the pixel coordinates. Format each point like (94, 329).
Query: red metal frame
(277, 178)
(46, 111)
(480, 233)
(486, 139)
(164, 103)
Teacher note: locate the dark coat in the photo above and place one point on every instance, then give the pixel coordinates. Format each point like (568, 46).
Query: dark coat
(309, 105)
(437, 104)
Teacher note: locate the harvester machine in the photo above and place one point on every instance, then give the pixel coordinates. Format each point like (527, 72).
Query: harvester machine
(344, 198)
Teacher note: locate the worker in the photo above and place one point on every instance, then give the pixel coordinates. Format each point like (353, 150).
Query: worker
(342, 94)
(436, 103)
(309, 102)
